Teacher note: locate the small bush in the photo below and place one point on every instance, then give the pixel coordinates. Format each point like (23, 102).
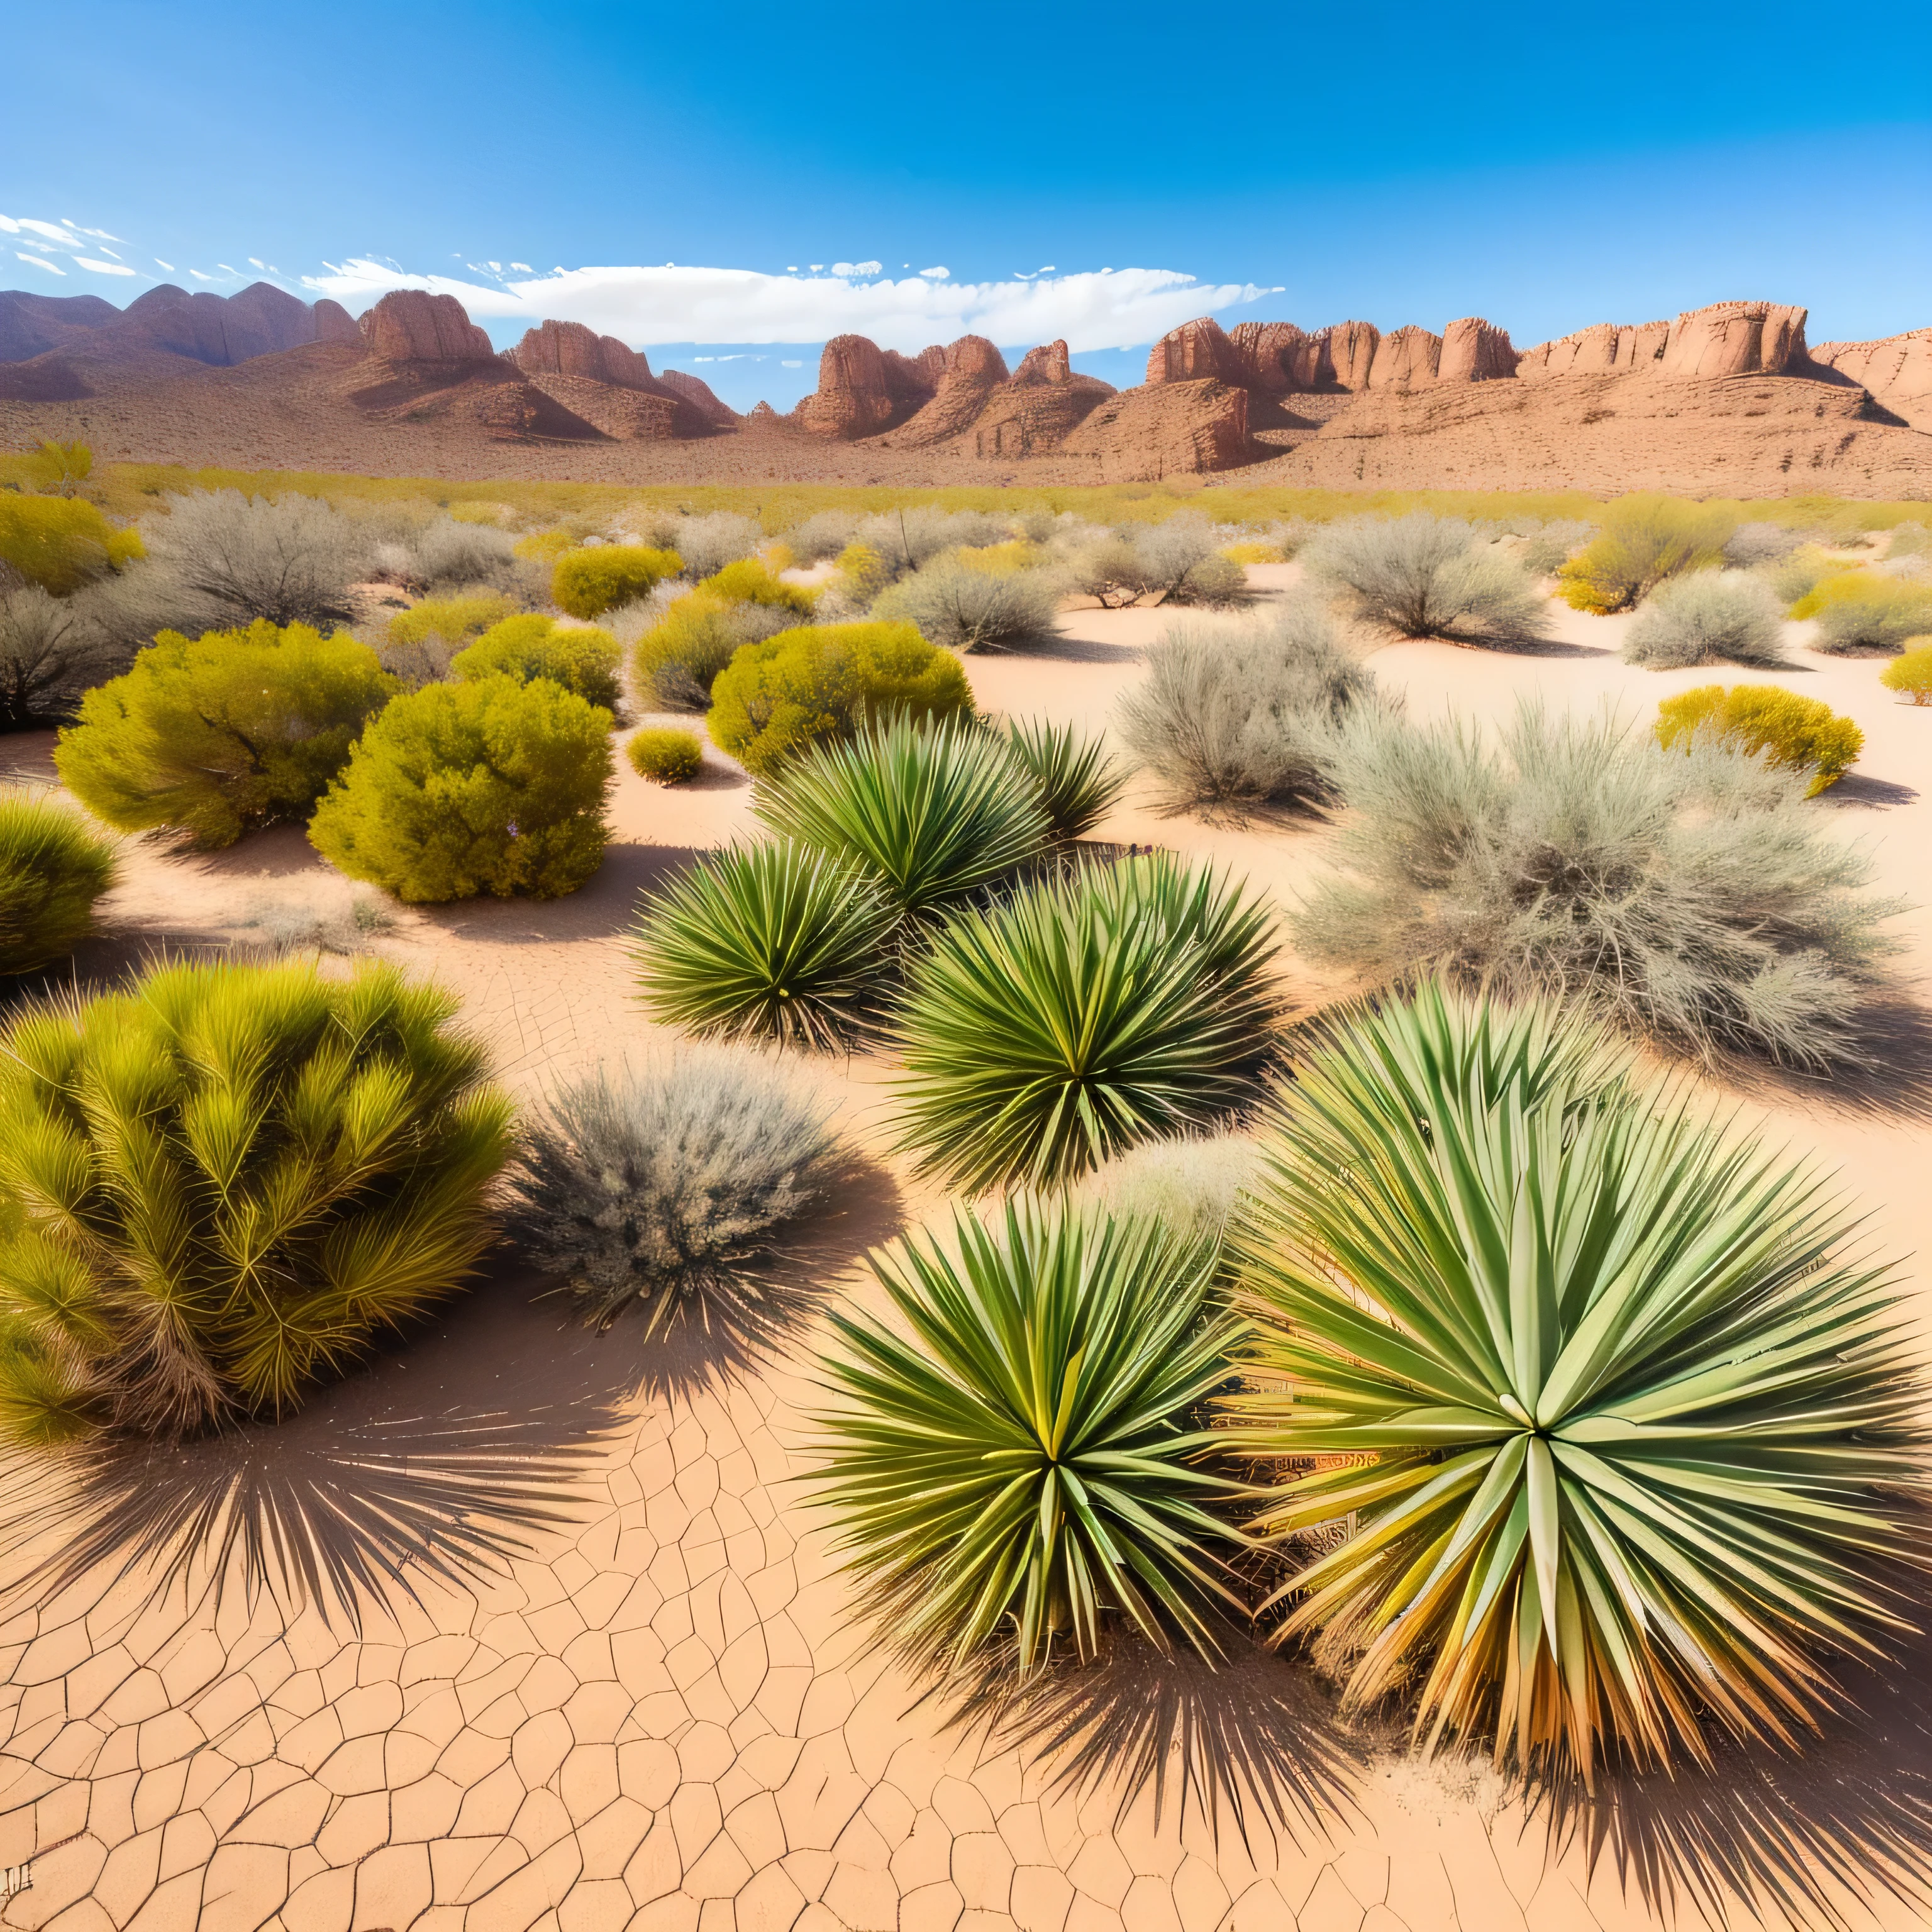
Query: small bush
(52, 868)
(219, 558)
(1106, 567)
(52, 650)
(708, 543)
(1642, 541)
(586, 583)
(1908, 540)
(1226, 722)
(1075, 781)
(1081, 1016)
(1863, 611)
(778, 696)
(669, 757)
(861, 573)
(1180, 558)
(999, 559)
(1713, 617)
(1546, 548)
(771, 942)
(61, 542)
(1695, 900)
(964, 608)
(932, 810)
(677, 659)
(216, 1186)
(59, 468)
(670, 1187)
(1191, 1186)
(449, 553)
(1017, 1456)
(584, 660)
(1751, 546)
(421, 641)
(751, 580)
(910, 539)
(457, 789)
(1424, 576)
(1794, 733)
(823, 535)
(222, 734)
(1911, 671)
(1794, 576)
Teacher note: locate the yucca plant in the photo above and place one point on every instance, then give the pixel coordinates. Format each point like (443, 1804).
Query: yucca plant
(216, 1186)
(771, 941)
(1030, 1461)
(1622, 1435)
(1076, 781)
(53, 866)
(932, 811)
(1081, 1016)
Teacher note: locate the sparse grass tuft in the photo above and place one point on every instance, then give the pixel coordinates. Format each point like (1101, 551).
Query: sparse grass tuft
(1713, 617)
(1421, 576)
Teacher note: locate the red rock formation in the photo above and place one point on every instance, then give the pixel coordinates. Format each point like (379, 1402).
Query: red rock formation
(220, 330)
(1350, 350)
(1896, 371)
(970, 369)
(569, 349)
(1475, 351)
(413, 325)
(1195, 351)
(1603, 347)
(696, 394)
(334, 323)
(1270, 353)
(1038, 409)
(1406, 360)
(1734, 339)
(1164, 429)
(1047, 363)
(862, 391)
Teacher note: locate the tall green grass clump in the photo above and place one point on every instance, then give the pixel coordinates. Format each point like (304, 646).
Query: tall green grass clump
(1082, 1016)
(52, 868)
(217, 1187)
(588, 581)
(1727, 616)
(1424, 576)
(583, 659)
(1643, 541)
(1793, 734)
(1624, 1429)
(222, 734)
(1018, 1460)
(456, 790)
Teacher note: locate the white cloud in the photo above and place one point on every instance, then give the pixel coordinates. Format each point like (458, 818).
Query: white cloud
(937, 274)
(43, 228)
(199, 277)
(523, 267)
(103, 267)
(643, 306)
(862, 270)
(785, 362)
(38, 262)
(256, 262)
(168, 266)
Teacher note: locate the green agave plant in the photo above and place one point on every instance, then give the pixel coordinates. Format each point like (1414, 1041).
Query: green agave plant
(1029, 1461)
(215, 1187)
(1623, 1441)
(1083, 1015)
(931, 811)
(1076, 780)
(772, 941)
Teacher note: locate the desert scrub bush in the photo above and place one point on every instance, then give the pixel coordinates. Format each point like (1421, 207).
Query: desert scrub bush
(1545, 547)
(1074, 779)
(1019, 1456)
(53, 868)
(1864, 611)
(789, 692)
(708, 543)
(583, 659)
(1713, 617)
(1913, 540)
(1180, 558)
(1694, 900)
(1642, 541)
(419, 642)
(449, 554)
(750, 580)
(861, 575)
(822, 534)
(1191, 1186)
(52, 650)
(222, 734)
(932, 810)
(220, 558)
(772, 942)
(1103, 566)
(1080, 1016)
(665, 1190)
(586, 583)
(1911, 671)
(677, 659)
(1793, 734)
(1422, 576)
(1796, 575)
(910, 539)
(1622, 1424)
(455, 789)
(1752, 546)
(1226, 722)
(662, 753)
(959, 606)
(59, 468)
(216, 1186)
(60, 543)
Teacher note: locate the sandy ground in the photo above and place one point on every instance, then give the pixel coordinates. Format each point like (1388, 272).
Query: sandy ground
(658, 1711)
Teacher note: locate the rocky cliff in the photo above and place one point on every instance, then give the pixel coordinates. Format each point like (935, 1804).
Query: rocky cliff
(1895, 371)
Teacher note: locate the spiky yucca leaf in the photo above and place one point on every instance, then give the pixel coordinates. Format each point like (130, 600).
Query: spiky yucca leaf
(1076, 781)
(1029, 1461)
(771, 941)
(1624, 1436)
(1080, 1017)
(213, 1188)
(53, 866)
(931, 810)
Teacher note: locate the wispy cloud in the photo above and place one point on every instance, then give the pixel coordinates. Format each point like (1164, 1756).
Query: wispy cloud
(1096, 309)
(103, 267)
(38, 262)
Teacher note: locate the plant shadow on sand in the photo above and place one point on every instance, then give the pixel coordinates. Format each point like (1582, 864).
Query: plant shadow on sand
(454, 1452)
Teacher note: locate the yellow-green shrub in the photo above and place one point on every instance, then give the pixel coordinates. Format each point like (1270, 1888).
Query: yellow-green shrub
(61, 542)
(1798, 734)
(753, 580)
(999, 559)
(666, 754)
(526, 646)
(862, 573)
(1641, 540)
(679, 657)
(1911, 670)
(53, 866)
(1251, 552)
(457, 789)
(60, 468)
(455, 621)
(544, 546)
(1863, 610)
(587, 582)
(218, 735)
(828, 681)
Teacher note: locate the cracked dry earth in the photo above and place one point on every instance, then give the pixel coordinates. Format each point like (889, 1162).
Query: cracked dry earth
(639, 1697)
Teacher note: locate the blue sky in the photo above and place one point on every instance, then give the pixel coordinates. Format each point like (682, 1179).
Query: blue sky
(1545, 168)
